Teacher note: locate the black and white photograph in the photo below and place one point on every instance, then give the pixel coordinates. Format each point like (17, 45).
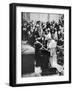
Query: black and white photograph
(40, 44)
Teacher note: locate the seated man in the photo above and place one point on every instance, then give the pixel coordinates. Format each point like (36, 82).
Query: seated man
(42, 56)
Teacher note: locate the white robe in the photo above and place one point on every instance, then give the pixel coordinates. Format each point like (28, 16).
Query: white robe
(53, 59)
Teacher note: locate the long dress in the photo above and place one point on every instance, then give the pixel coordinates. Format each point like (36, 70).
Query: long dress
(52, 46)
(53, 58)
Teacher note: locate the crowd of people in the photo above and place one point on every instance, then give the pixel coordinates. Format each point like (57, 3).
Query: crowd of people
(48, 40)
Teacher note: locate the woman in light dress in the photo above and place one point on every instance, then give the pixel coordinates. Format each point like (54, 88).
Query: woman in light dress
(52, 44)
